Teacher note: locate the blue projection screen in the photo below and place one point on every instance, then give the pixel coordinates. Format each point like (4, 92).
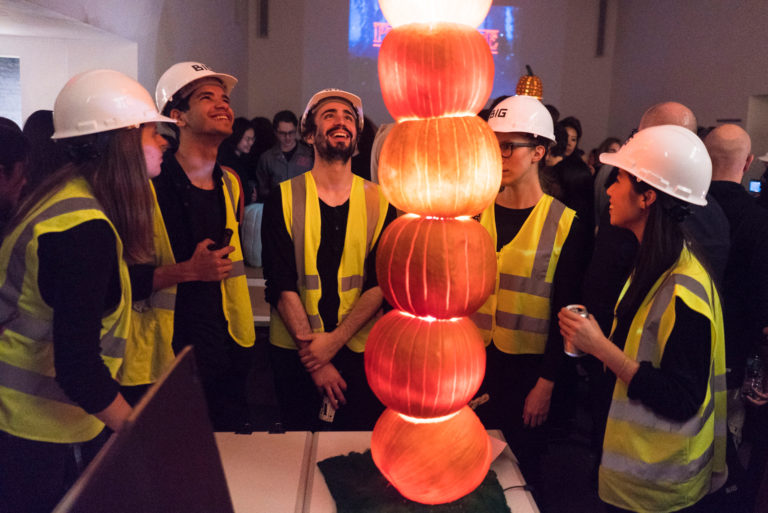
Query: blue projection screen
(368, 27)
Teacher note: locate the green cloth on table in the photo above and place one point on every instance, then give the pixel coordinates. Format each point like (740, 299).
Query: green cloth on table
(357, 486)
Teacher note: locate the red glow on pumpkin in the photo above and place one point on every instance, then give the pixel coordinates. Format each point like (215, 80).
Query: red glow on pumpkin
(440, 70)
(421, 368)
(432, 462)
(440, 267)
(429, 167)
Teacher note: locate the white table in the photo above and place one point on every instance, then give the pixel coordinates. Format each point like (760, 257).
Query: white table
(335, 443)
(266, 472)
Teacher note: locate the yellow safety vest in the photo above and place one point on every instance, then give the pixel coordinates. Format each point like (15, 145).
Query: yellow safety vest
(32, 405)
(516, 316)
(651, 463)
(301, 212)
(148, 352)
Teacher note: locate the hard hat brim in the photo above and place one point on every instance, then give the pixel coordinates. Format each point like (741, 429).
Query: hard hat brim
(649, 177)
(97, 128)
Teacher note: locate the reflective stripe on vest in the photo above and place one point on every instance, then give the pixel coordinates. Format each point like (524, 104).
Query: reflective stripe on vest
(517, 316)
(32, 404)
(301, 213)
(149, 352)
(651, 463)
(17, 265)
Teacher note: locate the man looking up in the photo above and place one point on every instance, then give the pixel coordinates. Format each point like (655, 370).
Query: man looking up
(197, 293)
(286, 159)
(319, 236)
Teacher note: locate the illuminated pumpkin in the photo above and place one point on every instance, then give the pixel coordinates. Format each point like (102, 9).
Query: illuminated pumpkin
(441, 167)
(529, 85)
(432, 462)
(401, 12)
(424, 367)
(439, 267)
(434, 71)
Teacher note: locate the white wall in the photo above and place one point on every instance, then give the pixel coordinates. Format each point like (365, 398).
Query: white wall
(276, 63)
(171, 31)
(52, 48)
(709, 55)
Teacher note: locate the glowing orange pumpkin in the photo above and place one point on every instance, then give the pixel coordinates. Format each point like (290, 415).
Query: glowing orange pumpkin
(424, 367)
(432, 462)
(439, 70)
(441, 167)
(400, 12)
(439, 267)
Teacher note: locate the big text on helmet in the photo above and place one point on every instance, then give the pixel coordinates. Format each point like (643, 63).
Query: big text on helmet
(200, 67)
(498, 113)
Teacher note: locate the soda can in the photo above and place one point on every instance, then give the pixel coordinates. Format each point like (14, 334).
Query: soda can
(570, 349)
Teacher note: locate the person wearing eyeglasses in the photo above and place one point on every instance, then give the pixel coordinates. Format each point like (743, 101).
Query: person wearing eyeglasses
(287, 159)
(542, 250)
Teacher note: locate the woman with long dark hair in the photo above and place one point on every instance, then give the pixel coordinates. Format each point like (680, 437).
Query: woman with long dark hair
(664, 441)
(65, 294)
(234, 153)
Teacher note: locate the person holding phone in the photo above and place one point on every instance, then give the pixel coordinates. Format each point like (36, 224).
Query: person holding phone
(664, 442)
(195, 292)
(65, 293)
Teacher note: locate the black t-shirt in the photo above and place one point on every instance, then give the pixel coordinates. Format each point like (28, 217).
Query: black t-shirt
(190, 215)
(678, 386)
(566, 287)
(280, 265)
(289, 154)
(78, 278)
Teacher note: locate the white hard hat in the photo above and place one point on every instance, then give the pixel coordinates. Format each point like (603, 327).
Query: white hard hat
(522, 114)
(99, 101)
(325, 94)
(179, 75)
(668, 157)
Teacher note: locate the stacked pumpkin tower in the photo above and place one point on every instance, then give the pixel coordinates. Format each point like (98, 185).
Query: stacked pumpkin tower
(436, 265)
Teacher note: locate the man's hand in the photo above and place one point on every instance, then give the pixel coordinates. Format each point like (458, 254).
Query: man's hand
(330, 383)
(319, 349)
(536, 406)
(207, 265)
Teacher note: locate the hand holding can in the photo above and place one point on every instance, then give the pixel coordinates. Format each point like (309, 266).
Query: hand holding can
(569, 348)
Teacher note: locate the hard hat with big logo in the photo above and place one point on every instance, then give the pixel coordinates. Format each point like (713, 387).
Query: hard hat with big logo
(524, 114)
(669, 158)
(178, 76)
(330, 94)
(102, 100)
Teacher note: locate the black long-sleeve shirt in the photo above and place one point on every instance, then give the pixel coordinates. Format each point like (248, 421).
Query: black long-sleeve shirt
(566, 286)
(745, 283)
(678, 386)
(78, 278)
(280, 264)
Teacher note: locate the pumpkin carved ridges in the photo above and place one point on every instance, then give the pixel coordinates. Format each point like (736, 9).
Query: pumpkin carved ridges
(440, 69)
(424, 367)
(423, 266)
(432, 462)
(426, 167)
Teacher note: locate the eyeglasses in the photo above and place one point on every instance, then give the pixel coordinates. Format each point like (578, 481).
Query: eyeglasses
(286, 134)
(508, 147)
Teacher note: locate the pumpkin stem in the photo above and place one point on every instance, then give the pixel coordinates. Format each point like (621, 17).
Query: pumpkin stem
(530, 71)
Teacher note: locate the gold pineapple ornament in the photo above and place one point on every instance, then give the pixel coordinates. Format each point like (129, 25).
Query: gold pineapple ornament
(529, 85)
